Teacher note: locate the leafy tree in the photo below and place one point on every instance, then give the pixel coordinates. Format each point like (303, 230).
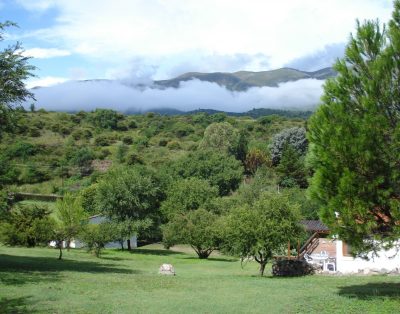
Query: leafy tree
(88, 199)
(355, 140)
(130, 193)
(260, 231)
(187, 194)
(198, 228)
(8, 173)
(122, 149)
(225, 138)
(14, 69)
(96, 236)
(28, 226)
(71, 216)
(256, 158)
(296, 137)
(219, 169)
(124, 230)
(105, 118)
(82, 158)
(291, 169)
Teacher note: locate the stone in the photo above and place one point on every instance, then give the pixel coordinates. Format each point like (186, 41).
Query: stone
(167, 269)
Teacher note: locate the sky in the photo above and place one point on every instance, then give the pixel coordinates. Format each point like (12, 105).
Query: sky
(145, 40)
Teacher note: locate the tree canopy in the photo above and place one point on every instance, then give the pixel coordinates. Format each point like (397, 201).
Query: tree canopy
(355, 139)
(262, 230)
(14, 69)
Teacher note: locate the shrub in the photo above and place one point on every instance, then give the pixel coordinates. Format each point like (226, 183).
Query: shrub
(173, 145)
(128, 140)
(291, 268)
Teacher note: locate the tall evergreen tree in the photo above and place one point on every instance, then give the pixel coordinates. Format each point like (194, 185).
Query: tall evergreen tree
(355, 139)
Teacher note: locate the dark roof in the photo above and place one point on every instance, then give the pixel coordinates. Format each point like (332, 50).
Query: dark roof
(314, 226)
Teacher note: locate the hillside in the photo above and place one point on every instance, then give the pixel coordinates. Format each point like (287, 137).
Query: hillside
(53, 152)
(243, 80)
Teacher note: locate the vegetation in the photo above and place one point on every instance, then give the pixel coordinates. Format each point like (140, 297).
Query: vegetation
(260, 231)
(14, 69)
(354, 139)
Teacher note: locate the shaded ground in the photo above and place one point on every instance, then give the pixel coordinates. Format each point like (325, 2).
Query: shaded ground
(33, 280)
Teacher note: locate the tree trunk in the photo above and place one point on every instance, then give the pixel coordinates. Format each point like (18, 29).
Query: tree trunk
(122, 244)
(262, 268)
(59, 244)
(129, 244)
(68, 244)
(202, 254)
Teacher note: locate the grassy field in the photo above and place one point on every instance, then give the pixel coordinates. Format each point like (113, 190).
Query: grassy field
(34, 281)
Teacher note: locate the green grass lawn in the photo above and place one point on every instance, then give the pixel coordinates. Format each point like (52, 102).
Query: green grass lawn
(34, 281)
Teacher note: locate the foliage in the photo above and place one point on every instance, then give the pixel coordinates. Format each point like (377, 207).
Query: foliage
(291, 268)
(187, 194)
(295, 137)
(219, 169)
(355, 137)
(262, 230)
(28, 226)
(88, 199)
(122, 149)
(71, 215)
(198, 228)
(14, 70)
(291, 169)
(124, 230)
(96, 236)
(225, 138)
(82, 158)
(130, 193)
(105, 119)
(256, 158)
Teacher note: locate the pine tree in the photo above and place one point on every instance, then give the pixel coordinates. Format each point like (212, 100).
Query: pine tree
(355, 140)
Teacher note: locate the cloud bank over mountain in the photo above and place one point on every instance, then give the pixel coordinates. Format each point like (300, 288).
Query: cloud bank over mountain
(191, 95)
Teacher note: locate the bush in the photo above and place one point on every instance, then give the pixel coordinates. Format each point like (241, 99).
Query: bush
(173, 145)
(128, 140)
(28, 226)
(96, 236)
(291, 268)
(134, 159)
(102, 140)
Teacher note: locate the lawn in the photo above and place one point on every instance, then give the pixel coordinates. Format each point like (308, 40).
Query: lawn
(34, 281)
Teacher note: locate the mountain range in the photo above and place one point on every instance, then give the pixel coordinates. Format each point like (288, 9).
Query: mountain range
(243, 80)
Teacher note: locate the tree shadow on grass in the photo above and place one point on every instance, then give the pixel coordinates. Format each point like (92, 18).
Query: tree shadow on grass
(17, 270)
(215, 259)
(155, 252)
(372, 291)
(15, 305)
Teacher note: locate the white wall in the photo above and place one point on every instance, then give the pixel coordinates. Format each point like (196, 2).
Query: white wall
(387, 260)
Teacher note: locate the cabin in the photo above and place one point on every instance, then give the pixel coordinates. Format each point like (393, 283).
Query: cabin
(334, 255)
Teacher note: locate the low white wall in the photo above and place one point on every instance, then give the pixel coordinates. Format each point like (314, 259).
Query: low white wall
(387, 260)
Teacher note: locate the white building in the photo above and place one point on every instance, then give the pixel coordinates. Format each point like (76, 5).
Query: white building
(335, 255)
(97, 219)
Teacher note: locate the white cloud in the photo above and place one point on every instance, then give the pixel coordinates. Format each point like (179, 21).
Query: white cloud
(45, 81)
(282, 30)
(37, 5)
(191, 95)
(44, 53)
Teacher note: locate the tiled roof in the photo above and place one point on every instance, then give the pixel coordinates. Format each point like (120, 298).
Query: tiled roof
(314, 225)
